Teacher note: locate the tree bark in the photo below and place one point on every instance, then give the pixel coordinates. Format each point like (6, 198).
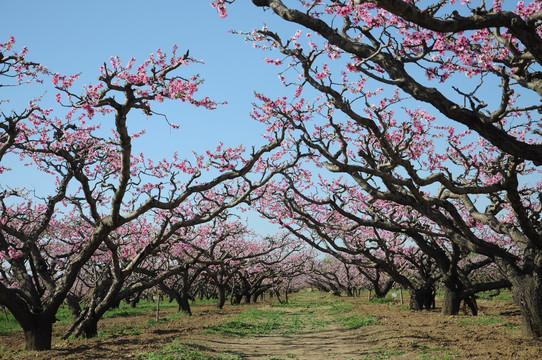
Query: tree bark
(421, 299)
(527, 294)
(38, 336)
(221, 297)
(91, 328)
(184, 304)
(451, 303)
(73, 304)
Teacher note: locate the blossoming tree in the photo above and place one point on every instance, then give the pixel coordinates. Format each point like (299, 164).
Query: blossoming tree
(429, 106)
(103, 190)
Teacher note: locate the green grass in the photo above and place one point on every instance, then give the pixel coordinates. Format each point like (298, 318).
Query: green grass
(428, 353)
(384, 300)
(504, 295)
(114, 332)
(64, 315)
(252, 321)
(125, 309)
(204, 302)
(339, 307)
(306, 312)
(385, 353)
(307, 300)
(7, 327)
(354, 321)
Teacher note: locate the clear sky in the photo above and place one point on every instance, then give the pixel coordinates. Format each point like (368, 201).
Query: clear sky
(71, 36)
(78, 36)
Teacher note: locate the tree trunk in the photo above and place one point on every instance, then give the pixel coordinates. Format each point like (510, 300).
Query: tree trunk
(221, 297)
(87, 324)
(527, 294)
(38, 336)
(73, 304)
(421, 299)
(381, 290)
(277, 293)
(470, 301)
(452, 302)
(91, 328)
(184, 305)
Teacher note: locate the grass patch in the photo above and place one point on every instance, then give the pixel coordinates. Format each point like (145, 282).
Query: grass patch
(504, 295)
(203, 302)
(119, 331)
(339, 307)
(384, 300)
(433, 353)
(355, 321)
(307, 300)
(176, 315)
(125, 309)
(7, 327)
(252, 321)
(257, 321)
(385, 353)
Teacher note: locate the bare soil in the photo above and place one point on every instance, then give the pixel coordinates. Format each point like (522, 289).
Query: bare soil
(400, 334)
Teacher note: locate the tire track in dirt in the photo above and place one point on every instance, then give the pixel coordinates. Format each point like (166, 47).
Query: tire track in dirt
(332, 342)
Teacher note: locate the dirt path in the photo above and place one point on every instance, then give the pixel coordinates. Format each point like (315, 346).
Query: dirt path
(329, 343)
(397, 334)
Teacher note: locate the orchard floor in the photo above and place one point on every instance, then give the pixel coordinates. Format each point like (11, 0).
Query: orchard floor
(397, 333)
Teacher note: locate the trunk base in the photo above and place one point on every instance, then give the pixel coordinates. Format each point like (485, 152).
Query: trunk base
(528, 296)
(39, 338)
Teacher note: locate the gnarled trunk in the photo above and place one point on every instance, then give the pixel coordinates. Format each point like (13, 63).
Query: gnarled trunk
(91, 328)
(423, 298)
(527, 294)
(221, 297)
(38, 335)
(184, 304)
(73, 304)
(451, 303)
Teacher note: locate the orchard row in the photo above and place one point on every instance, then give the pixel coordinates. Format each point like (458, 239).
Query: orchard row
(408, 151)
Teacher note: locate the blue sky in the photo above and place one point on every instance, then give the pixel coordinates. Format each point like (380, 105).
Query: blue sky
(78, 36)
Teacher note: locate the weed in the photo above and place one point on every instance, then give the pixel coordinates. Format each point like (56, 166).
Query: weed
(355, 321)
(428, 353)
(151, 322)
(176, 315)
(203, 302)
(338, 307)
(251, 322)
(119, 331)
(254, 322)
(385, 353)
(143, 306)
(502, 295)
